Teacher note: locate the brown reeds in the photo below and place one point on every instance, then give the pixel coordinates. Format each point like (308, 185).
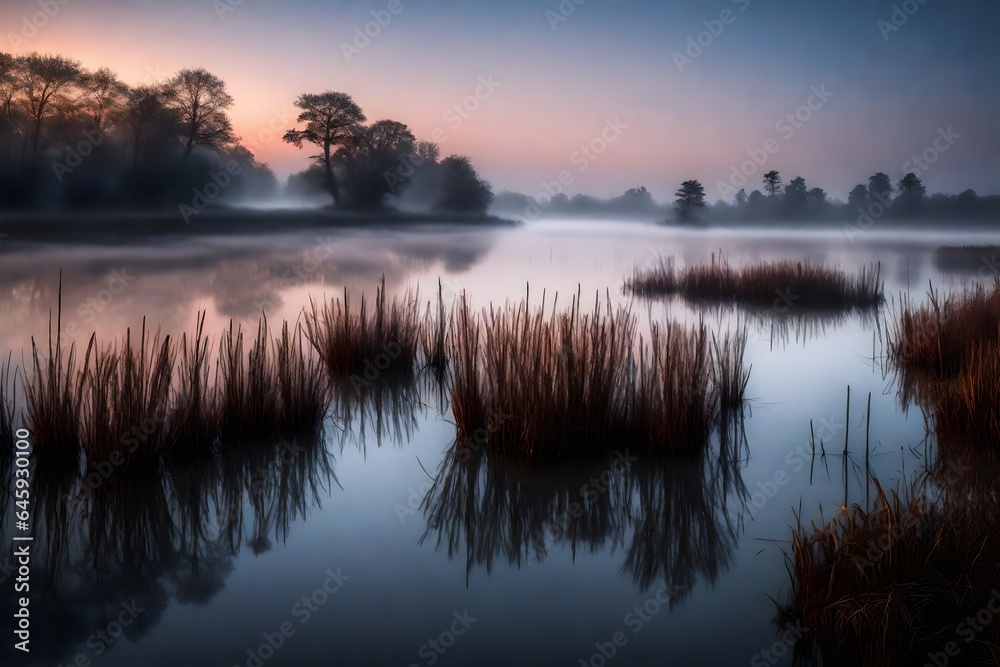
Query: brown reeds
(890, 584)
(194, 423)
(368, 343)
(8, 410)
(573, 384)
(132, 401)
(53, 399)
(790, 285)
(946, 353)
(126, 396)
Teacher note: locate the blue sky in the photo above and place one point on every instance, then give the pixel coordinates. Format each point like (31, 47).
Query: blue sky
(561, 81)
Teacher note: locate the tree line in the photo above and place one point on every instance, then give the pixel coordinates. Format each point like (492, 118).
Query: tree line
(71, 137)
(878, 197)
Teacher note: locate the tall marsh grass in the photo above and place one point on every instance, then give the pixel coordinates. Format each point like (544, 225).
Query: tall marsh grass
(133, 401)
(355, 342)
(890, 584)
(762, 285)
(947, 356)
(553, 385)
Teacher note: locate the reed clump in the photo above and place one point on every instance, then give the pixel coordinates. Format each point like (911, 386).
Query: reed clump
(946, 353)
(53, 399)
(762, 285)
(367, 343)
(134, 402)
(8, 410)
(557, 385)
(126, 394)
(891, 584)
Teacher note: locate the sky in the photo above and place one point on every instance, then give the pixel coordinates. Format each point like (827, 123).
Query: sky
(600, 95)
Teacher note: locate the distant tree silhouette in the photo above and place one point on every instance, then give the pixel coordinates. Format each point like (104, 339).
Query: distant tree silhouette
(879, 186)
(911, 186)
(818, 197)
(148, 120)
(331, 119)
(756, 199)
(858, 196)
(367, 155)
(772, 183)
(103, 97)
(741, 197)
(46, 82)
(796, 194)
(689, 197)
(462, 189)
(201, 102)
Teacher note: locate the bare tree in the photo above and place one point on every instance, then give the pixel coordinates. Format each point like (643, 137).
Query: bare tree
(45, 82)
(331, 120)
(145, 112)
(104, 95)
(200, 100)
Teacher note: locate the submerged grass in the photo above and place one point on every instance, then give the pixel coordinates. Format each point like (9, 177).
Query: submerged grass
(551, 385)
(946, 353)
(891, 584)
(762, 285)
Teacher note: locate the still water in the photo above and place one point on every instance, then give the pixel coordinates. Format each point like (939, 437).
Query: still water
(347, 552)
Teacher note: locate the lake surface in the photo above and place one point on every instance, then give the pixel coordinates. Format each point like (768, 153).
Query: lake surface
(349, 547)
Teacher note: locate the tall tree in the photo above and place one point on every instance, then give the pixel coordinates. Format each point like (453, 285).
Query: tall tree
(145, 113)
(879, 186)
(330, 120)
(858, 196)
(201, 102)
(462, 189)
(772, 182)
(690, 196)
(369, 157)
(104, 96)
(818, 196)
(45, 82)
(741, 197)
(796, 193)
(911, 187)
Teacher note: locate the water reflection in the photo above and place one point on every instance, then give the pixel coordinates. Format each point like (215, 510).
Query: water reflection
(674, 519)
(142, 539)
(172, 278)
